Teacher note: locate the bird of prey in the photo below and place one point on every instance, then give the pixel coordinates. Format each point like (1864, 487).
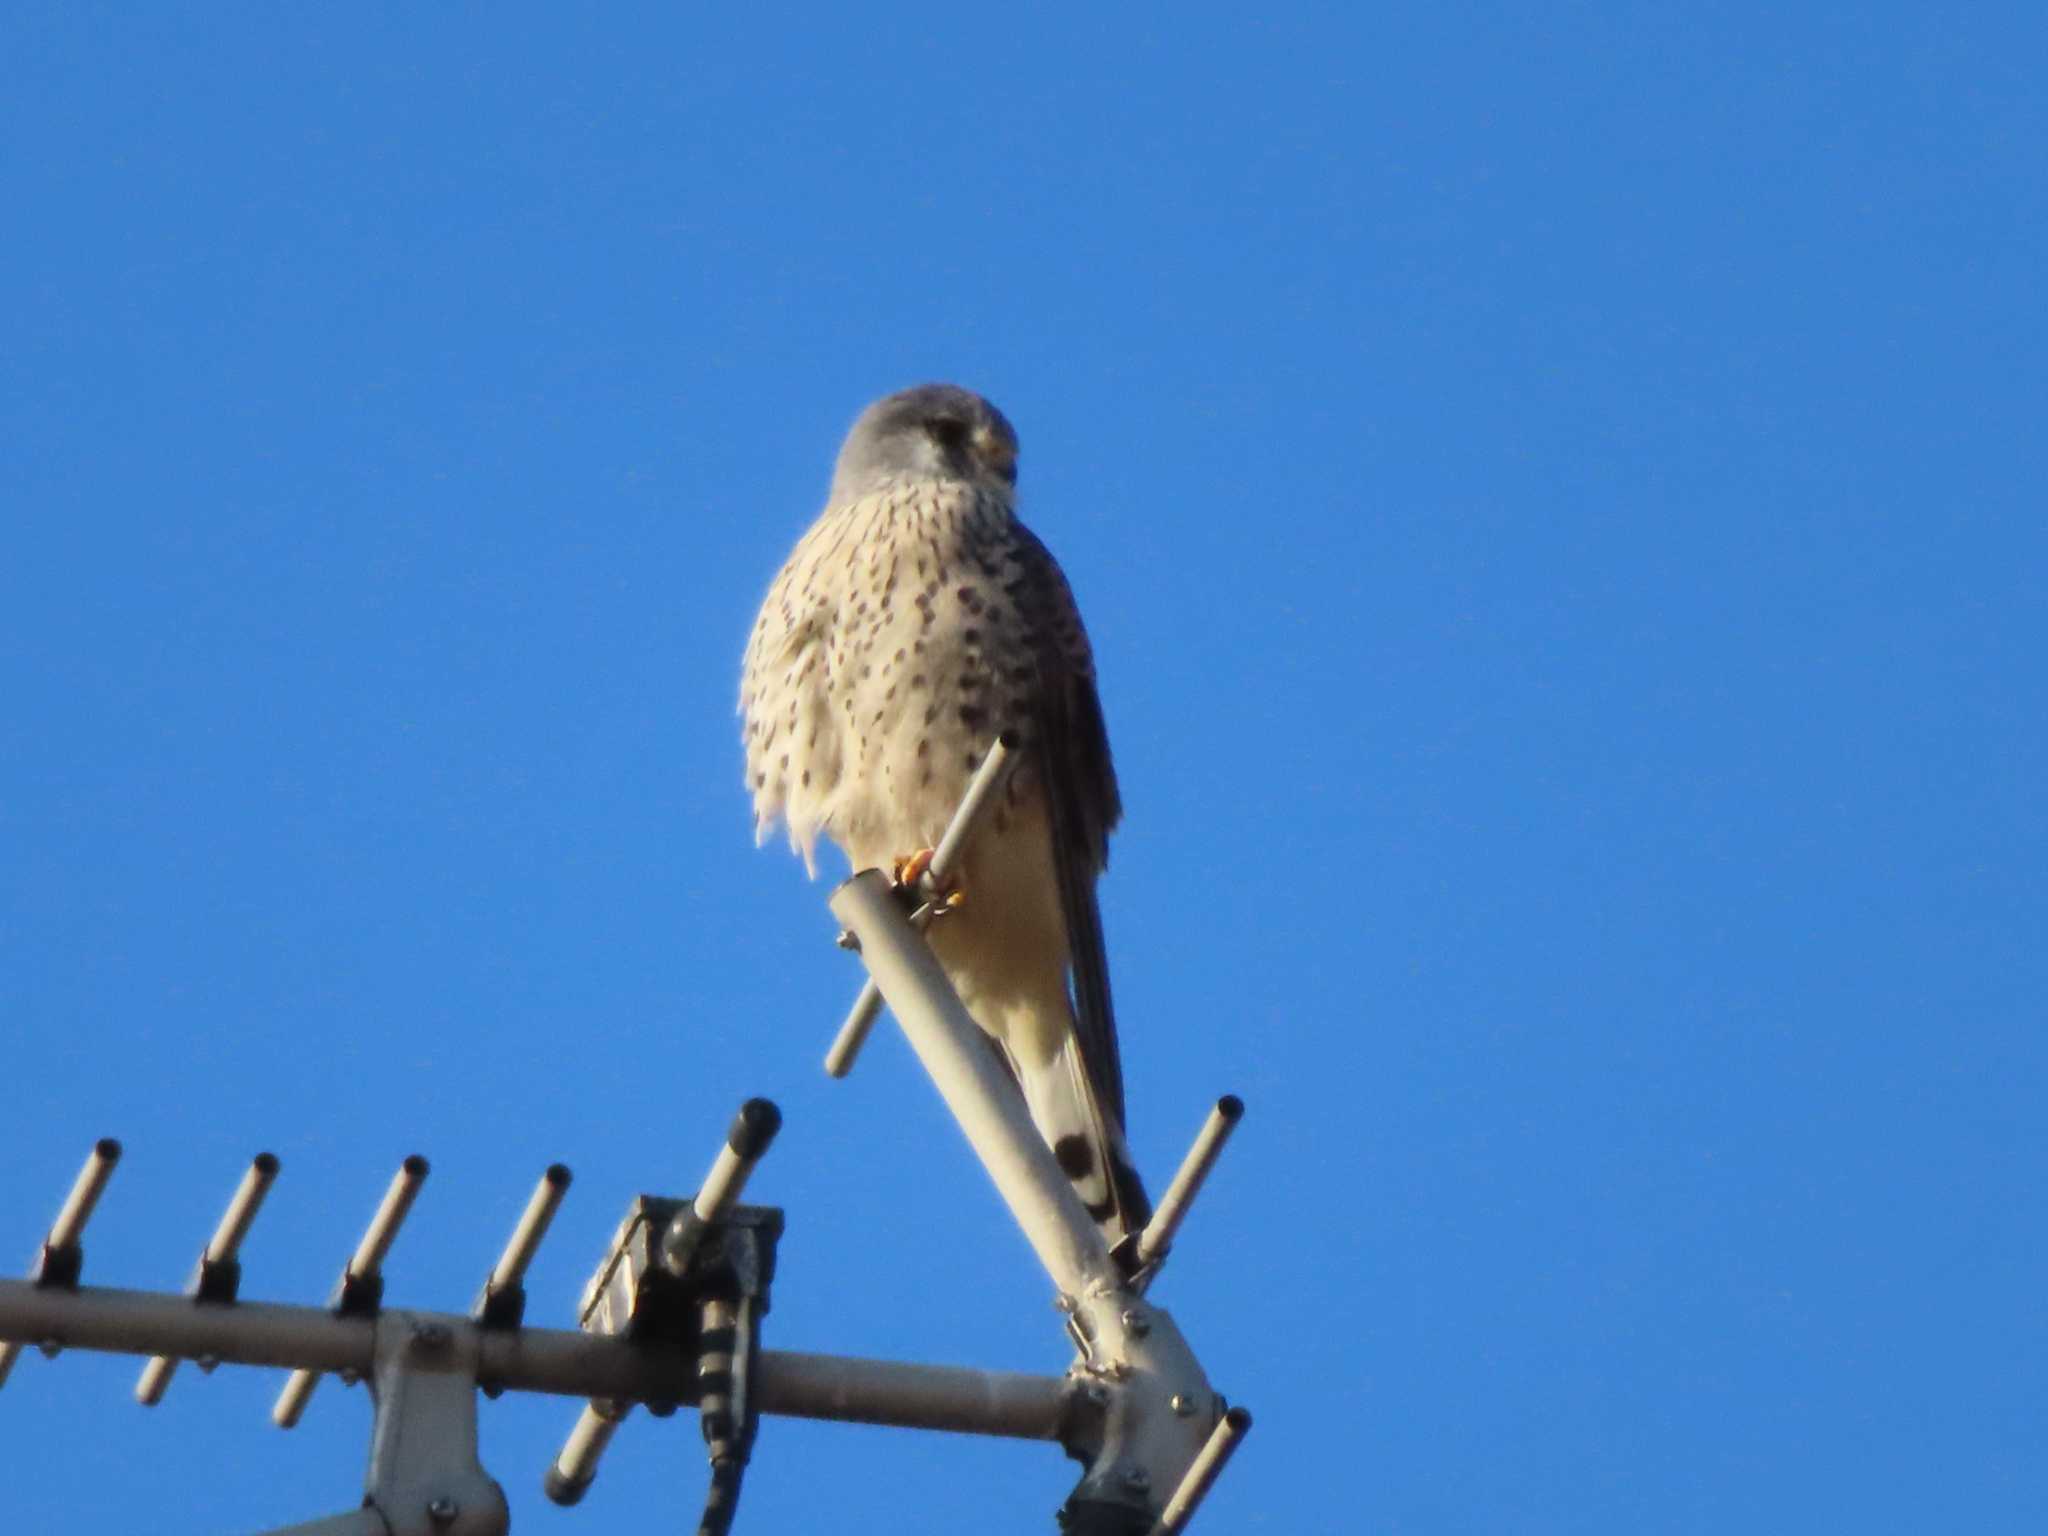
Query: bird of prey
(916, 620)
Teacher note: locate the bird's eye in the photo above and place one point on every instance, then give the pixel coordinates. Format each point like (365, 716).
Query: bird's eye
(948, 431)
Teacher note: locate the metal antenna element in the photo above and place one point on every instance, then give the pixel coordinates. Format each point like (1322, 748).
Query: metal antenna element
(753, 1130)
(218, 1276)
(575, 1468)
(1172, 1209)
(561, 1362)
(62, 1257)
(367, 1263)
(990, 777)
(1223, 1439)
(502, 1302)
(360, 1291)
(673, 1315)
(746, 1140)
(1134, 1408)
(61, 1253)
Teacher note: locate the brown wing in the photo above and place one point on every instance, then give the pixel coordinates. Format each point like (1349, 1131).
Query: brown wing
(1070, 746)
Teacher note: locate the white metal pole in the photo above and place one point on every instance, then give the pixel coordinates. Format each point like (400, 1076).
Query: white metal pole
(510, 1270)
(69, 1226)
(223, 1248)
(1202, 1473)
(989, 778)
(983, 1099)
(753, 1129)
(561, 1361)
(58, 1262)
(365, 1267)
(1187, 1183)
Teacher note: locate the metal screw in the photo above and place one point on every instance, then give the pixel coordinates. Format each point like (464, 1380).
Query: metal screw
(1096, 1393)
(208, 1363)
(443, 1510)
(1137, 1322)
(51, 1348)
(1137, 1479)
(1181, 1404)
(848, 939)
(430, 1335)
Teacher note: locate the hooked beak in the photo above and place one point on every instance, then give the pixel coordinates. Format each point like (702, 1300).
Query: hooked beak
(998, 454)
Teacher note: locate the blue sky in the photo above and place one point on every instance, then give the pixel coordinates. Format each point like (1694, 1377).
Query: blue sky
(1555, 494)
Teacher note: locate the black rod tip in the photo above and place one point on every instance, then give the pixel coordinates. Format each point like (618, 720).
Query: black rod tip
(1239, 1419)
(107, 1150)
(561, 1490)
(753, 1128)
(557, 1175)
(266, 1163)
(1230, 1107)
(415, 1166)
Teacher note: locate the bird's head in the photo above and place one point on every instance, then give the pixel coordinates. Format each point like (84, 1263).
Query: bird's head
(933, 432)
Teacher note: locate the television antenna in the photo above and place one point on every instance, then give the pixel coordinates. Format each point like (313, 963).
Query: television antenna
(673, 1315)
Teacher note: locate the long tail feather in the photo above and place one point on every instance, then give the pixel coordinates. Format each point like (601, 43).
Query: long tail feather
(1087, 1142)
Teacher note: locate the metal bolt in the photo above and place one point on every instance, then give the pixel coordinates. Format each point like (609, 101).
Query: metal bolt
(1096, 1393)
(848, 939)
(442, 1510)
(51, 1348)
(1181, 1404)
(208, 1363)
(1137, 1322)
(1137, 1479)
(430, 1335)
(349, 1376)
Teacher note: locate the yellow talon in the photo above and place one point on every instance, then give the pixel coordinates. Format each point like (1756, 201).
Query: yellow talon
(912, 866)
(914, 870)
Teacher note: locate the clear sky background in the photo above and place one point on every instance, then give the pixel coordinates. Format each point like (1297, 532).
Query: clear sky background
(1557, 494)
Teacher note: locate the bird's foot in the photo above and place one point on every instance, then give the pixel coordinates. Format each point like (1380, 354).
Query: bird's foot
(912, 867)
(913, 872)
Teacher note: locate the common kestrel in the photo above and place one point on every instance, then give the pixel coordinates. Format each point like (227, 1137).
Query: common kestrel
(914, 621)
